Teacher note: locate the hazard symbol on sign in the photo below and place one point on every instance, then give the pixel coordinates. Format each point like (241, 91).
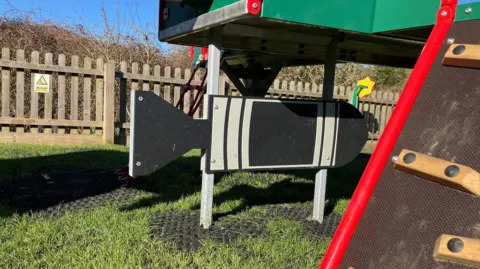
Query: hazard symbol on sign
(42, 83)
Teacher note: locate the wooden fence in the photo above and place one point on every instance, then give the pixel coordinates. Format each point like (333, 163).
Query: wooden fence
(89, 99)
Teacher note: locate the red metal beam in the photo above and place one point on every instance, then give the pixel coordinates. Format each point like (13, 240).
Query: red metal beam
(351, 218)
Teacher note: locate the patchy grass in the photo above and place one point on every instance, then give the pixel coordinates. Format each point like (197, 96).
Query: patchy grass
(120, 236)
(341, 206)
(107, 238)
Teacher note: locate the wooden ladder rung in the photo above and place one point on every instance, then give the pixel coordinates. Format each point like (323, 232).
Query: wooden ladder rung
(444, 172)
(463, 55)
(461, 250)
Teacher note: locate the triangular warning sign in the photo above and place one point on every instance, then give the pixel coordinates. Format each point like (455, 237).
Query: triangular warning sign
(42, 81)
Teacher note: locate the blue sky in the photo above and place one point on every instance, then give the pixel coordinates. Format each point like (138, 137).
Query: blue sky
(467, 1)
(122, 13)
(88, 11)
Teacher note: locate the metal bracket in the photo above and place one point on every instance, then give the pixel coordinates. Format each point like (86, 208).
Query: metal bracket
(253, 80)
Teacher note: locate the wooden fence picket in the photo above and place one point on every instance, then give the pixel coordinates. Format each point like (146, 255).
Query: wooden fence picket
(99, 93)
(177, 89)
(74, 95)
(87, 90)
(134, 72)
(146, 72)
(186, 101)
(35, 59)
(156, 85)
(5, 89)
(20, 91)
(167, 89)
(48, 98)
(102, 109)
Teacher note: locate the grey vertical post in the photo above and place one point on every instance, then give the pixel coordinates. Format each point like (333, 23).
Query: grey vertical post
(327, 94)
(213, 76)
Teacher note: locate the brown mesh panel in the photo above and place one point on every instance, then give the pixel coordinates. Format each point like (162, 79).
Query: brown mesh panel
(406, 214)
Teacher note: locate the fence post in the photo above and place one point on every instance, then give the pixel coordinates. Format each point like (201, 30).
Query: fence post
(350, 93)
(221, 85)
(109, 103)
(123, 97)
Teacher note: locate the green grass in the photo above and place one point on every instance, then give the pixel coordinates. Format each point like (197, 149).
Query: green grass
(106, 238)
(119, 236)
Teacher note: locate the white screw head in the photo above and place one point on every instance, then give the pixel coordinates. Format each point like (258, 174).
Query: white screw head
(468, 10)
(450, 40)
(328, 158)
(216, 107)
(214, 161)
(139, 164)
(140, 98)
(444, 13)
(255, 5)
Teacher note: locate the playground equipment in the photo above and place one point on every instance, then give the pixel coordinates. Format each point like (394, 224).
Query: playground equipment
(425, 211)
(364, 88)
(246, 134)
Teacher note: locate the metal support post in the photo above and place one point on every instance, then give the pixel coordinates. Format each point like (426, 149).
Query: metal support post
(213, 77)
(328, 86)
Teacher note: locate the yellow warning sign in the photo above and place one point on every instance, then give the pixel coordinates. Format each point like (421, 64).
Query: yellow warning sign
(42, 83)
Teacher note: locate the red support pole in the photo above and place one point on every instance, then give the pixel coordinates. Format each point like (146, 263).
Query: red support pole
(360, 198)
(204, 52)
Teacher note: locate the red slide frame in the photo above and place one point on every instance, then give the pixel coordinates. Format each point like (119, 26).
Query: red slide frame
(380, 156)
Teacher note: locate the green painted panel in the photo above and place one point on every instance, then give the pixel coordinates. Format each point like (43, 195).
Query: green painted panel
(461, 15)
(221, 3)
(342, 14)
(401, 14)
(370, 16)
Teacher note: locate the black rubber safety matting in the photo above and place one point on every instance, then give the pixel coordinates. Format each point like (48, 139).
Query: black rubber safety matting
(183, 229)
(406, 214)
(55, 193)
(51, 195)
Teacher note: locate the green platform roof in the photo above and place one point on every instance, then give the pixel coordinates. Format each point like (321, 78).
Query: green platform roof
(363, 16)
(366, 16)
(468, 10)
(385, 32)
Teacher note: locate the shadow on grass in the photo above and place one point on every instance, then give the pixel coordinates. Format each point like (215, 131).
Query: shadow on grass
(179, 178)
(64, 178)
(26, 166)
(341, 184)
(36, 183)
(182, 178)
